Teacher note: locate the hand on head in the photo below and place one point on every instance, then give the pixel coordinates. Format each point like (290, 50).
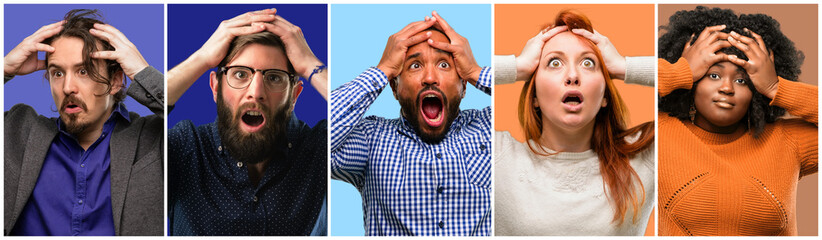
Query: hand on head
(398, 44)
(702, 54)
(216, 47)
(613, 60)
(760, 66)
(528, 59)
(125, 53)
(22, 59)
(467, 66)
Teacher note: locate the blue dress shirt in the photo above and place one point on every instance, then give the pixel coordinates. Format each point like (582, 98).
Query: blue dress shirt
(72, 196)
(410, 187)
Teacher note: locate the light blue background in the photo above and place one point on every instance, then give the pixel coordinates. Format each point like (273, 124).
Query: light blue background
(358, 37)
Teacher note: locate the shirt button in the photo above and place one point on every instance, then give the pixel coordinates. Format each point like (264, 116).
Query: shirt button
(482, 147)
(148, 95)
(255, 199)
(220, 148)
(82, 165)
(439, 155)
(80, 201)
(289, 145)
(441, 224)
(239, 164)
(440, 189)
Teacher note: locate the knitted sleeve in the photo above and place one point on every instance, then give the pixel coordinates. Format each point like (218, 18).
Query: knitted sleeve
(799, 99)
(505, 69)
(673, 76)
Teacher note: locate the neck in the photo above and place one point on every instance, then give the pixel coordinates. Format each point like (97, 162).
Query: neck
(706, 125)
(566, 140)
(256, 171)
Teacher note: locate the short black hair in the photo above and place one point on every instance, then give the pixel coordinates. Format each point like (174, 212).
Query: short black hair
(681, 25)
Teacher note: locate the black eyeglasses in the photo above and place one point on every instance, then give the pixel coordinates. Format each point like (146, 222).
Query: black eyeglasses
(239, 77)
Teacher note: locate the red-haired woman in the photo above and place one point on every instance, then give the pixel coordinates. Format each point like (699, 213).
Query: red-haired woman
(582, 171)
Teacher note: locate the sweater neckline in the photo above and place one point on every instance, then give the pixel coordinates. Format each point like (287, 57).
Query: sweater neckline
(714, 138)
(568, 156)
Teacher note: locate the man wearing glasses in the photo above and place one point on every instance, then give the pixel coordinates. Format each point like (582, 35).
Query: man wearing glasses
(257, 170)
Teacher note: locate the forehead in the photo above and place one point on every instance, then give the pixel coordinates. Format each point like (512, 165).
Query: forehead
(424, 47)
(67, 51)
(568, 43)
(259, 56)
(728, 67)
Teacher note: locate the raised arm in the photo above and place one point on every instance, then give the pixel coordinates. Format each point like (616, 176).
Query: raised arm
(181, 77)
(22, 59)
(350, 101)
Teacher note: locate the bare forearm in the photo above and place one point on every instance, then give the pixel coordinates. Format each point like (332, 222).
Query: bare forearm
(181, 77)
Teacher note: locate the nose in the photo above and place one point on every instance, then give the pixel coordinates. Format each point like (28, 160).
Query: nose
(430, 77)
(256, 89)
(727, 87)
(571, 77)
(69, 84)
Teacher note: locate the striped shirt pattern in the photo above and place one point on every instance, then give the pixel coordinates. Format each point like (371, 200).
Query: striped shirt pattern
(410, 187)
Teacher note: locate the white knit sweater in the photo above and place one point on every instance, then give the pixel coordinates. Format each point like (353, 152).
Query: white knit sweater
(562, 194)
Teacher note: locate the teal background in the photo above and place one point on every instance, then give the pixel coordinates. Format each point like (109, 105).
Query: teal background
(358, 37)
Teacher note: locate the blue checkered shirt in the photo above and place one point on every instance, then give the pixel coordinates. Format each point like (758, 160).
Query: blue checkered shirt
(410, 187)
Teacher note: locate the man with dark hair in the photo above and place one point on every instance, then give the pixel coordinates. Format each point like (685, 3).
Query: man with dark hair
(427, 172)
(257, 170)
(65, 176)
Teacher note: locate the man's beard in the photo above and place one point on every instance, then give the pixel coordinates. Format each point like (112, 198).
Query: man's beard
(70, 121)
(411, 111)
(257, 146)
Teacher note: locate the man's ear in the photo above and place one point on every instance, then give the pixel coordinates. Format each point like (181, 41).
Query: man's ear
(295, 93)
(212, 81)
(117, 82)
(393, 84)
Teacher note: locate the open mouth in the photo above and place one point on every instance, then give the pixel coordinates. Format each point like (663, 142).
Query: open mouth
(72, 108)
(253, 118)
(572, 100)
(431, 106)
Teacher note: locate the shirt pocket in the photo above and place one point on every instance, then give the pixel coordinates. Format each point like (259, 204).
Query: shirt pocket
(478, 163)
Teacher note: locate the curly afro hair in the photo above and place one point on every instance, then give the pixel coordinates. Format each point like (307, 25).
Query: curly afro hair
(787, 59)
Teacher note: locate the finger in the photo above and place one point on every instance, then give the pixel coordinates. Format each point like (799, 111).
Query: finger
(41, 65)
(46, 32)
(280, 19)
(416, 28)
(719, 57)
(759, 41)
(268, 11)
(110, 55)
(416, 39)
(248, 18)
(740, 45)
(443, 46)
(715, 36)
(43, 47)
(553, 32)
(585, 33)
(276, 29)
(442, 23)
(240, 31)
(739, 62)
(716, 46)
(708, 30)
(49, 27)
(105, 36)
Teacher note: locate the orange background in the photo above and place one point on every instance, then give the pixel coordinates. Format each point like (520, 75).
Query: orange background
(630, 27)
(800, 24)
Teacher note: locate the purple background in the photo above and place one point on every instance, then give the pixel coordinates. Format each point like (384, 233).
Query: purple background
(141, 23)
(190, 25)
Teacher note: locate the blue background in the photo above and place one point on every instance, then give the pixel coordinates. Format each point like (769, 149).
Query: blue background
(360, 33)
(141, 23)
(190, 25)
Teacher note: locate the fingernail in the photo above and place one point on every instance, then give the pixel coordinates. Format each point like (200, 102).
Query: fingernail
(428, 33)
(731, 38)
(731, 56)
(430, 41)
(433, 18)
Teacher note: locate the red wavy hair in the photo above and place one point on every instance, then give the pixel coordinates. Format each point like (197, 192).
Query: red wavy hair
(624, 187)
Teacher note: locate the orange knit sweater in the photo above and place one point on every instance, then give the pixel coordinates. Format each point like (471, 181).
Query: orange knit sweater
(734, 184)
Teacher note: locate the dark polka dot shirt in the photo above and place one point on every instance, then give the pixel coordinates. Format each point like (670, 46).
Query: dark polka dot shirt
(210, 193)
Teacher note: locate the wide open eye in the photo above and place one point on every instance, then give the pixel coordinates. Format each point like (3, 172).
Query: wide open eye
(414, 65)
(57, 74)
(444, 65)
(588, 63)
(555, 63)
(713, 76)
(82, 72)
(741, 81)
(240, 75)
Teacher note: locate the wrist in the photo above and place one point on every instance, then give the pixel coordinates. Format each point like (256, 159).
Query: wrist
(387, 71)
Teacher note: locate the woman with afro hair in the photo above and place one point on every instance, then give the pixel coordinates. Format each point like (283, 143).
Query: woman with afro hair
(730, 158)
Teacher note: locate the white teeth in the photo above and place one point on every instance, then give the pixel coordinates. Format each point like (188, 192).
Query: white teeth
(429, 95)
(254, 113)
(572, 103)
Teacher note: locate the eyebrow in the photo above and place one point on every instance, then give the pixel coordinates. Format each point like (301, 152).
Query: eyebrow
(52, 65)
